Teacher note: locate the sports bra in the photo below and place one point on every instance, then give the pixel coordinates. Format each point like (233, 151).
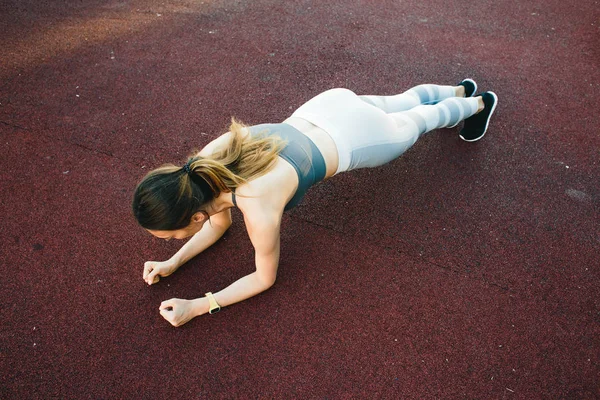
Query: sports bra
(300, 152)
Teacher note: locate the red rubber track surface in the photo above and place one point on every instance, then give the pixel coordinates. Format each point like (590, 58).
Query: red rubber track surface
(461, 270)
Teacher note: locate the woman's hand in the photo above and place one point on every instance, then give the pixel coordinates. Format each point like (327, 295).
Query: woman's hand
(153, 270)
(179, 311)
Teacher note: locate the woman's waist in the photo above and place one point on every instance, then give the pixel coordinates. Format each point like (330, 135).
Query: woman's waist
(321, 139)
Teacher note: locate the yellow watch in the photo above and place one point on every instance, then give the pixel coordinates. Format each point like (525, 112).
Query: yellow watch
(214, 306)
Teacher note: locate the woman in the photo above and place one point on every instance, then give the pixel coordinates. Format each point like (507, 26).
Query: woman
(266, 169)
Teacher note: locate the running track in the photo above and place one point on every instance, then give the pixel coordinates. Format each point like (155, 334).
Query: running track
(460, 271)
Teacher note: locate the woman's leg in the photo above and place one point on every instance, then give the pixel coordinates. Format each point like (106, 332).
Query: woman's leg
(425, 118)
(366, 136)
(385, 142)
(418, 95)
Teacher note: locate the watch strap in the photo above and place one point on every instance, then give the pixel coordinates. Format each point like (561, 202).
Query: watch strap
(214, 307)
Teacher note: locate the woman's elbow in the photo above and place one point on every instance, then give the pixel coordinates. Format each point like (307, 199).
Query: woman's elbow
(266, 281)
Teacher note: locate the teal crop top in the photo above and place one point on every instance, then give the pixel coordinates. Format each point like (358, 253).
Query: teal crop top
(300, 152)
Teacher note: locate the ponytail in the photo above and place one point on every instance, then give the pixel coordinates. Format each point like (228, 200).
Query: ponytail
(214, 174)
(246, 157)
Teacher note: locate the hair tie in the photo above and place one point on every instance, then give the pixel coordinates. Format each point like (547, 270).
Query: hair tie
(187, 168)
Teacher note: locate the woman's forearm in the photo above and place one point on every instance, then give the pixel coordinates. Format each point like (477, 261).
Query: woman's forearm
(242, 289)
(202, 240)
(265, 238)
(266, 241)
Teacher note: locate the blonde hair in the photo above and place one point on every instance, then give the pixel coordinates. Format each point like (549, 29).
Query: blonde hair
(245, 157)
(168, 197)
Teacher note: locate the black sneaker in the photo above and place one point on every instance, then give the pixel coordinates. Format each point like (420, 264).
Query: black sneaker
(470, 87)
(476, 125)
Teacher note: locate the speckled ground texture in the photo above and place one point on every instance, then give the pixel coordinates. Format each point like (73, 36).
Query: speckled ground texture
(459, 271)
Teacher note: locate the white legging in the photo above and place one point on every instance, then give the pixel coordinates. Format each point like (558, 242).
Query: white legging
(370, 131)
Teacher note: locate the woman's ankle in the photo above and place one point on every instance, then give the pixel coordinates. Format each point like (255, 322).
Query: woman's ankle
(480, 104)
(460, 91)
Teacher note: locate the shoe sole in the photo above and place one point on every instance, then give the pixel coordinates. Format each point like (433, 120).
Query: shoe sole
(472, 94)
(487, 122)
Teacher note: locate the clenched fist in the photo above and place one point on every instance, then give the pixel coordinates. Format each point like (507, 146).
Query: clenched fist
(153, 270)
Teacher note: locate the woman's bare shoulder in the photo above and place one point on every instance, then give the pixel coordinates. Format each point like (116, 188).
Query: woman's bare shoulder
(215, 145)
(257, 207)
(218, 144)
(268, 193)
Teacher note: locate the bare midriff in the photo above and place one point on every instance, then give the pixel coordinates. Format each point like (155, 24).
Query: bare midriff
(322, 140)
